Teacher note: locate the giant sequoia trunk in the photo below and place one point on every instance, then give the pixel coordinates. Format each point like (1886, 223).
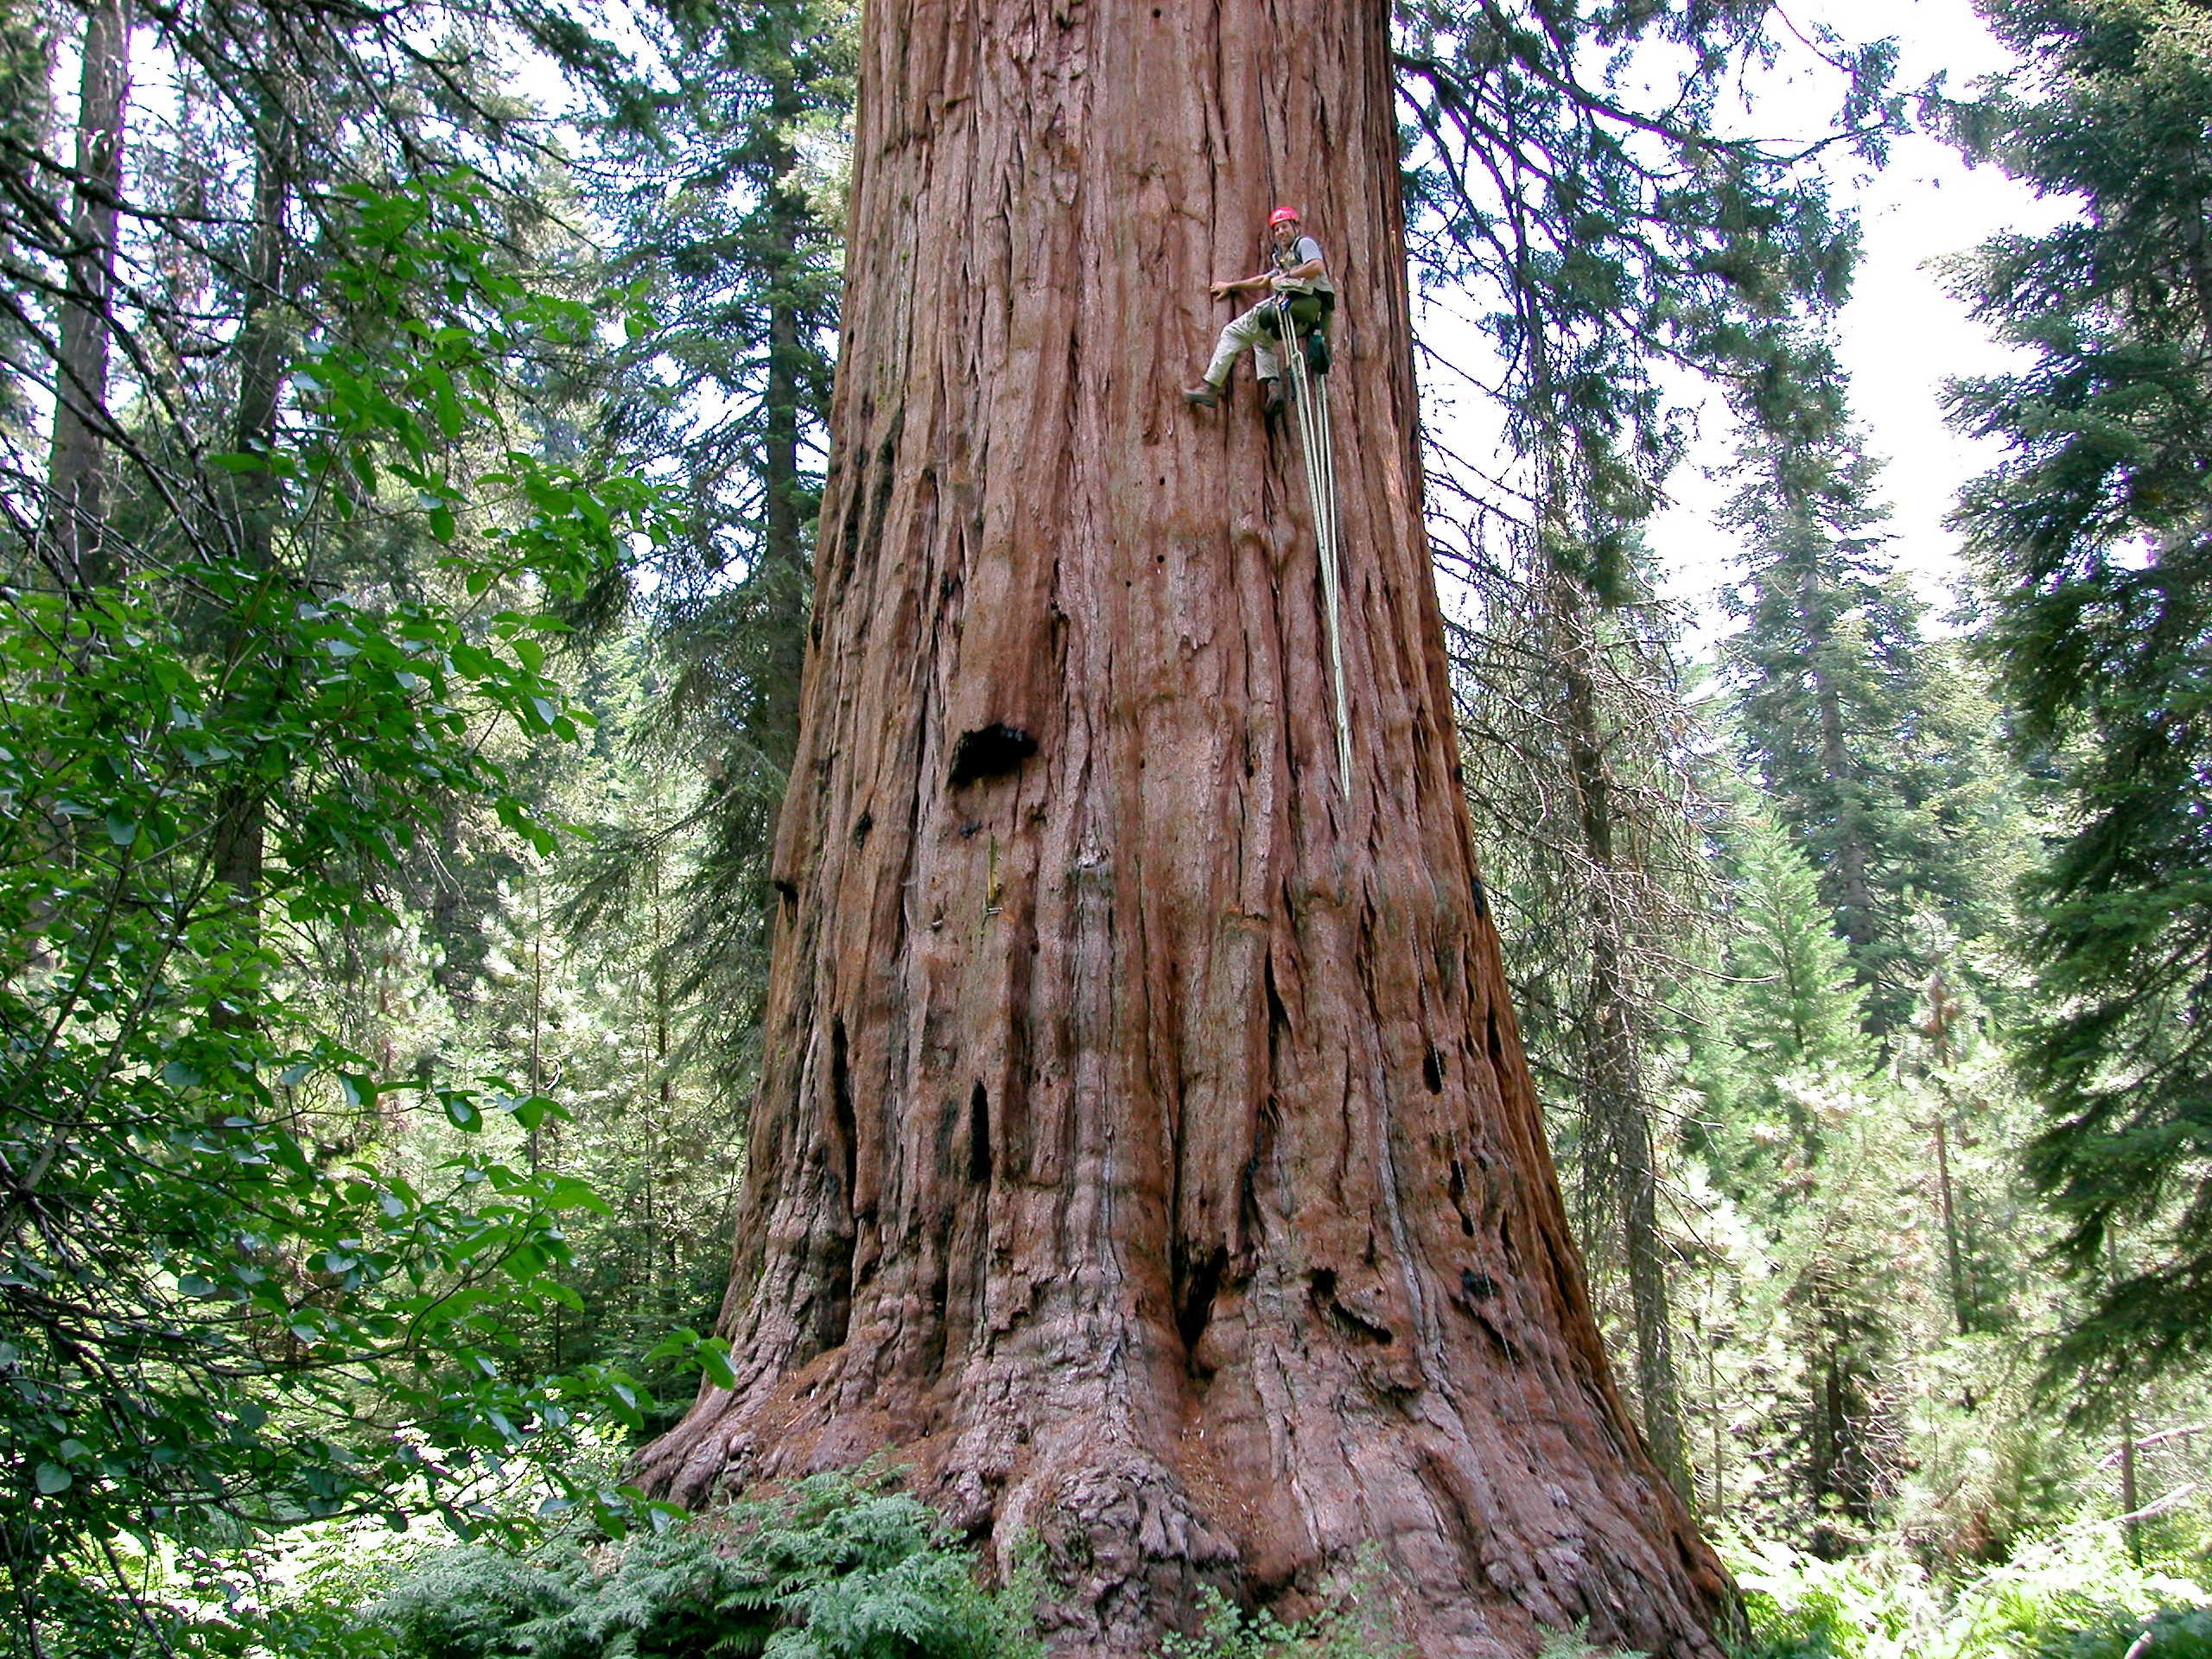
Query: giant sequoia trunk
(1144, 1150)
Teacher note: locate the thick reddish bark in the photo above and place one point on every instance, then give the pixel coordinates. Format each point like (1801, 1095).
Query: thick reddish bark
(1144, 1149)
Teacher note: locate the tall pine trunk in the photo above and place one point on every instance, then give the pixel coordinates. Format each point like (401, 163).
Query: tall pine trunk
(1621, 1156)
(241, 826)
(71, 542)
(1144, 1148)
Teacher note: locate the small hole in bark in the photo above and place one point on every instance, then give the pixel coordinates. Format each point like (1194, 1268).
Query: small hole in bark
(861, 825)
(990, 753)
(933, 1344)
(1432, 1071)
(1278, 1015)
(836, 1309)
(1479, 1287)
(1321, 1285)
(840, 1096)
(1482, 901)
(1496, 1044)
(1506, 1351)
(787, 890)
(1458, 1188)
(967, 829)
(979, 1137)
(1194, 1306)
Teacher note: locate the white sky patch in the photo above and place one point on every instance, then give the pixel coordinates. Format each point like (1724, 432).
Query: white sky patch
(1901, 338)
(1902, 335)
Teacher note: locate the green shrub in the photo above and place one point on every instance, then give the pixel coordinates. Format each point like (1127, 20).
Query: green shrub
(1816, 1625)
(1354, 1626)
(1575, 1643)
(2073, 1596)
(837, 1567)
(1802, 1607)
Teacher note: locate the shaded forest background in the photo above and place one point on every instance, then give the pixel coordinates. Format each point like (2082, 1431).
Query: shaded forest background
(411, 426)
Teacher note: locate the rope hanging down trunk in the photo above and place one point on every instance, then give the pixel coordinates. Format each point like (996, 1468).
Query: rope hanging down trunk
(1310, 393)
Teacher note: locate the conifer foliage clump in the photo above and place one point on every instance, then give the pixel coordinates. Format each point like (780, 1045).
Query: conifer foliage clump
(2091, 544)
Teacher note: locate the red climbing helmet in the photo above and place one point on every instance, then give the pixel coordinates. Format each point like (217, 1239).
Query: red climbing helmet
(1282, 216)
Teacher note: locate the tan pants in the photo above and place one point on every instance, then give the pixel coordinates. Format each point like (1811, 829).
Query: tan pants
(1252, 329)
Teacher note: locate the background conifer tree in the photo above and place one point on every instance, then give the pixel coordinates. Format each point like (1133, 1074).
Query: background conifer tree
(728, 201)
(2091, 548)
(1575, 736)
(1872, 744)
(1598, 254)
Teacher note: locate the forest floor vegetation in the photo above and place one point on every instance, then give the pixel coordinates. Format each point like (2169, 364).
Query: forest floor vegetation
(843, 1565)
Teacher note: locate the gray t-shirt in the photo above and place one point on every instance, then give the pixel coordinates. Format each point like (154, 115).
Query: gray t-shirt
(1298, 253)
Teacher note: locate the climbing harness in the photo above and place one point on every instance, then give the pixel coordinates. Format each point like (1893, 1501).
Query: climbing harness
(1309, 388)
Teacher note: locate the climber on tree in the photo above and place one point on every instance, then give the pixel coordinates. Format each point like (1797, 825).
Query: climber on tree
(1296, 283)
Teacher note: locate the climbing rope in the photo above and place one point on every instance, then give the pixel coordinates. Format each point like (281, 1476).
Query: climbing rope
(1310, 394)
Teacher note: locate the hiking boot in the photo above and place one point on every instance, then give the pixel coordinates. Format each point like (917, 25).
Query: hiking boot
(1273, 406)
(1204, 395)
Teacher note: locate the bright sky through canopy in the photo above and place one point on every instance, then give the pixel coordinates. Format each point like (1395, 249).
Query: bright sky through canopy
(1902, 334)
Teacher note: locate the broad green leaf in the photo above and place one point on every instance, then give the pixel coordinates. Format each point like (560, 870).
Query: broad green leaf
(713, 1360)
(449, 405)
